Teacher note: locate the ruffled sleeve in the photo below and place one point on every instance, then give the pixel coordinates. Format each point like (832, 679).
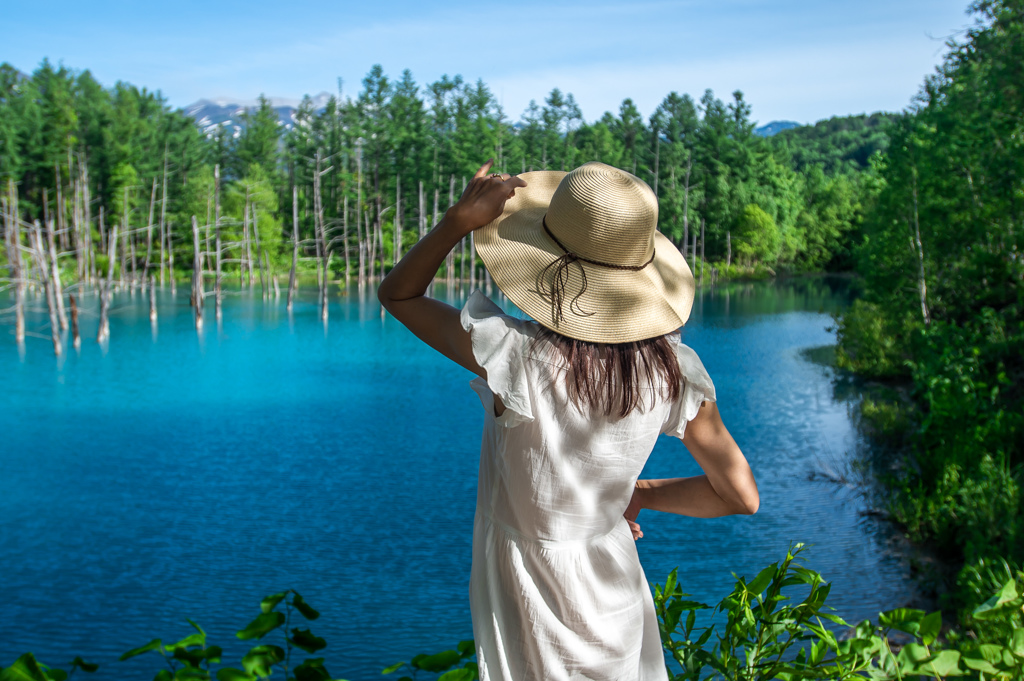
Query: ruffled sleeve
(697, 388)
(498, 347)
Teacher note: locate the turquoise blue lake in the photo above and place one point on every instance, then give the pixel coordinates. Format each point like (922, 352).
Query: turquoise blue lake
(172, 475)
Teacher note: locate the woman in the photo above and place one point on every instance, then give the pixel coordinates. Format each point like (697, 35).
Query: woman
(575, 401)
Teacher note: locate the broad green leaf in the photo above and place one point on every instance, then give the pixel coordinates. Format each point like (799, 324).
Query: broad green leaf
(466, 648)
(191, 674)
(25, 668)
(190, 640)
(763, 579)
(163, 675)
(87, 667)
(393, 668)
(312, 669)
(152, 645)
(1017, 643)
(270, 602)
(213, 654)
(456, 675)
(946, 663)
(196, 627)
(305, 639)
(1006, 599)
(437, 662)
(902, 619)
(259, 660)
(979, 664)
(911, 657)
(56, 674)
(930, 627)
(261, 626)
(305, 608)
(229, 674)
(191, 658)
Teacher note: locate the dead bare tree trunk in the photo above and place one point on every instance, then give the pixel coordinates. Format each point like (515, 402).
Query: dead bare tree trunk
(247, 265)
(152, 298)
(259, 253)
(216, 224)
(450, 258)
(323, 247)
(13, 233)
(344, 239)
(39, 254)
(295, 244)
(197, 276)
(76, 338)
(58, 290)
(728, 248)
(103, 332)
(702, 260)
(149, 234)
(686, 202)
(163, 224)
(922, 286)
(130, 238)
(398, 220)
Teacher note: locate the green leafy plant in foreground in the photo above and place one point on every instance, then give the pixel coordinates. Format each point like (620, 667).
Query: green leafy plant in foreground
(456, 665)
(192, 658)
(774, 626)
(770, 634)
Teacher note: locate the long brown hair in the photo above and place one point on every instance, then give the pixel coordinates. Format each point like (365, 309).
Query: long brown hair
(612, 377)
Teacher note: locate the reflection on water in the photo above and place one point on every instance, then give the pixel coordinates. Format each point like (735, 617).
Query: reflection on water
(172, 475)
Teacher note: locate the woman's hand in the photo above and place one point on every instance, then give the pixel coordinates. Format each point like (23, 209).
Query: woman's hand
(484, 199)
(632, 511)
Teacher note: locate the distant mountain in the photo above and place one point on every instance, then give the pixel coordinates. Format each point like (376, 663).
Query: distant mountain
(775, 127)
(211, 114)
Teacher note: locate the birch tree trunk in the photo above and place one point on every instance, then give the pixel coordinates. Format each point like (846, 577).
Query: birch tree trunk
(152, 298)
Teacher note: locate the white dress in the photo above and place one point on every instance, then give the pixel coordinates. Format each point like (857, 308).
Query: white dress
(556, 590)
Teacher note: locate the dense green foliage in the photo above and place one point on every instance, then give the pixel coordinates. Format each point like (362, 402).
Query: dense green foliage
(397, 155)
(774, 626)
(942, 305)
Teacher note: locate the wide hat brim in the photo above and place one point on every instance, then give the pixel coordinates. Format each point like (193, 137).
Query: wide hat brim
(617, 306)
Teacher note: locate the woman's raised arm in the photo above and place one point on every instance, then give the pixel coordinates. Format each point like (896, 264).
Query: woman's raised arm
(402, 291)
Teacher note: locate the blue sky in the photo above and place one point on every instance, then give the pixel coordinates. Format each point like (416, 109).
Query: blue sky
(800, 60)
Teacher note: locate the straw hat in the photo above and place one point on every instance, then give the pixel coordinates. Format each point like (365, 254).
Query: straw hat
(580, 253)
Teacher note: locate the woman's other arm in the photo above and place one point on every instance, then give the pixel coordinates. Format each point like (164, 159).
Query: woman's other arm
(402, 291)
(726, 488)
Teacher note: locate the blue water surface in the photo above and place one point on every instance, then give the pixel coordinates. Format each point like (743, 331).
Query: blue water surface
(169, 475)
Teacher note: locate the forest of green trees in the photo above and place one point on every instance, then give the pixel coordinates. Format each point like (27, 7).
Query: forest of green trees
(925, 206)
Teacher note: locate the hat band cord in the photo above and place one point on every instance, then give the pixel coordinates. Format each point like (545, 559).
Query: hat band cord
(560, 277)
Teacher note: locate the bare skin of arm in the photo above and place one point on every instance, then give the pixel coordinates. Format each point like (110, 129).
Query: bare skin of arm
(402, 292)
(726, 488)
